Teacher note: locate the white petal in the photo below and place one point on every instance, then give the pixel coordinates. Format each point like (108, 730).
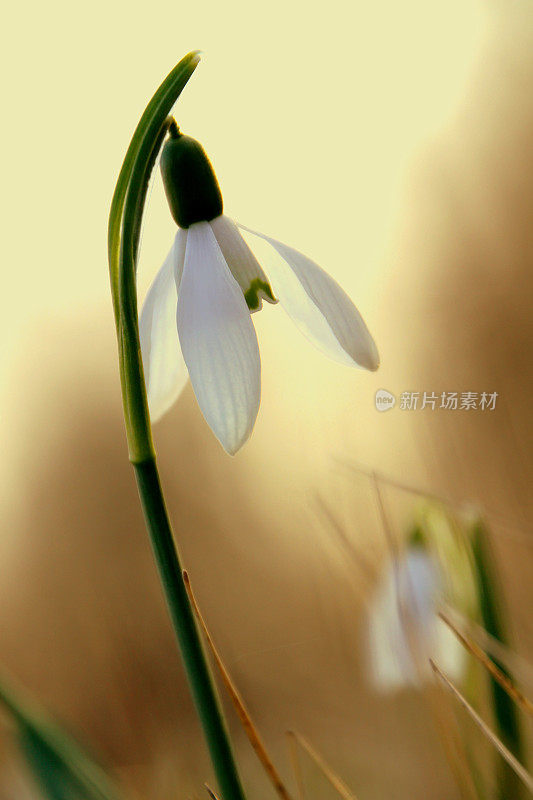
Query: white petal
(319, 307)
(218, 340)
(404, 630)
(419, 586)
(244, 266)
(165, 372)
(388, 661)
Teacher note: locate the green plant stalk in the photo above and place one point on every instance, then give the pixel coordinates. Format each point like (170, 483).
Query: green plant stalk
(505, 711)
(193, 654)
(123, 241)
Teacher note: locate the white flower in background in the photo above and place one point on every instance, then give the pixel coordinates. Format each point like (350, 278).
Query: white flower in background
(404, 630)
(196, 319)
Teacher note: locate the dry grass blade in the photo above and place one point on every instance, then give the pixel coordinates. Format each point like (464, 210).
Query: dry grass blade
(461, 506)
(333, 779)
(518, 666)
(242, 712)
(211, 793)
(387, 527)
(515, 765)
(506, 684)
(293, 757)
(364, 566)
(454, 748)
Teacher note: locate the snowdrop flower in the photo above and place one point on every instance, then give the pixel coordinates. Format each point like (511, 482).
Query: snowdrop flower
(196, 319)
(404, 630)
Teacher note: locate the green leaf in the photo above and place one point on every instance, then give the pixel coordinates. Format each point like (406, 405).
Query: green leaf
(494, 621)
(123, 238)
(59, 765)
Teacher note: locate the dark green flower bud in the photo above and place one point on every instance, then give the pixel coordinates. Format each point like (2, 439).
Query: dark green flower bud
(190, 183)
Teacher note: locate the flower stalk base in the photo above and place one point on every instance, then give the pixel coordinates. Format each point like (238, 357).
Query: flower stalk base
(196, 666)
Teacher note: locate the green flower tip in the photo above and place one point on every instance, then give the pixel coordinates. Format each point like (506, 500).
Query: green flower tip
(417, 538)
(189, 179)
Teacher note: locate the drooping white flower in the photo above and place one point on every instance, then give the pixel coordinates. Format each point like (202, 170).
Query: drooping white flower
(196, 319)
(404, 629)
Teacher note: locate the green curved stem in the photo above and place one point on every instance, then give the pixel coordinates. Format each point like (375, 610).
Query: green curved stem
(123, 240)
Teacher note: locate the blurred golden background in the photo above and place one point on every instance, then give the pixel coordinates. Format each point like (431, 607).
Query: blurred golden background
(392, 144)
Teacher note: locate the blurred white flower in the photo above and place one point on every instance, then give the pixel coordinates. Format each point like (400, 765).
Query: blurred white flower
(196, 321)
(404, 630)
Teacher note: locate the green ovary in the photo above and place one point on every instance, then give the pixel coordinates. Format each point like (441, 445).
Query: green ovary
(252, 294)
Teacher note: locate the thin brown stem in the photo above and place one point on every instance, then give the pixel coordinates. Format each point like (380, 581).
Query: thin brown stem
(506, 754)
(293, 756)
(240, 707)
(460, 506)
(336, 782)
(506, 684)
